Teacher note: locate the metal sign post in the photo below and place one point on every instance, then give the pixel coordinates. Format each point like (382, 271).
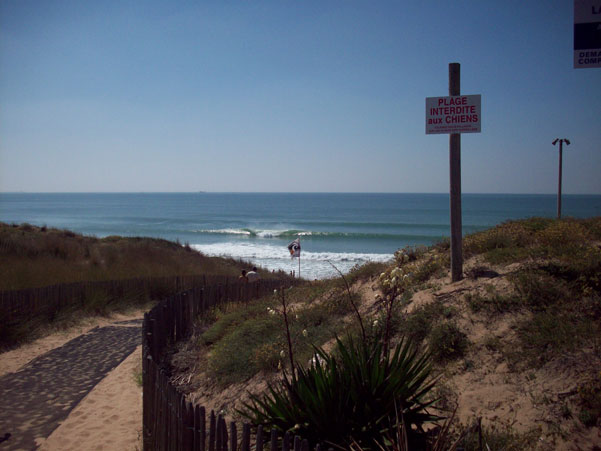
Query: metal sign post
(561, 141)
(455, 182)
(454, 115)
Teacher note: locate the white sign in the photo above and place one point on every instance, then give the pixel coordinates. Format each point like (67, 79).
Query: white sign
(587, 33)
(454, 114)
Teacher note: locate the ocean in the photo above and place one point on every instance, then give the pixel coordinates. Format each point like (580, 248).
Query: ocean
(343, 229)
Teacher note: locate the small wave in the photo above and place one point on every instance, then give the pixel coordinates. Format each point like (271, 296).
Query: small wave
(293, 233)
(225, 232)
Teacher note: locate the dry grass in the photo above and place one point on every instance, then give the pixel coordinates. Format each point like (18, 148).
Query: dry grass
(33, 257)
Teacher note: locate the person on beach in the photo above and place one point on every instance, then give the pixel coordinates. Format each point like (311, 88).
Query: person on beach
(243, 277)
(252, 275)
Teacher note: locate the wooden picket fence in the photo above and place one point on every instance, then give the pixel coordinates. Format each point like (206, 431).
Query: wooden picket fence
(170, 422)
(16, 305)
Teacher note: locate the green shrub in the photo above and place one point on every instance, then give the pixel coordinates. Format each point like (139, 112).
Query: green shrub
(447, 342)
(492, 343)
(538, 290)
(590, 401)
(418, 324)
(227, 321)
(545, 334)
(500, 437)
(430, 267)
(365, 271)
(233, 358)
(492, 303)
(352, 399)
(249, 338)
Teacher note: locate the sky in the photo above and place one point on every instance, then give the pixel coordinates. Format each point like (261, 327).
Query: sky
(290, 96)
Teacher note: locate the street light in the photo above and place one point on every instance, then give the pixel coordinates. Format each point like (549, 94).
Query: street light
(561, 141)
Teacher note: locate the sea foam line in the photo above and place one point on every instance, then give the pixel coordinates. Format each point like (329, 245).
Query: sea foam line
(290, 234)
(315, 265)
(254, 251)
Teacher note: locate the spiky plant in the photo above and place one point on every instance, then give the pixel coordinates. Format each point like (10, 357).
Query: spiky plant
(353, 397)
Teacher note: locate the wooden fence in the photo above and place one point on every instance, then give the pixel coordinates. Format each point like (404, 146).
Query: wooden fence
(16, 305)
(170, 422)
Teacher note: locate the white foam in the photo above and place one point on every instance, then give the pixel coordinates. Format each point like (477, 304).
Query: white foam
(226, 231)
(314, 265)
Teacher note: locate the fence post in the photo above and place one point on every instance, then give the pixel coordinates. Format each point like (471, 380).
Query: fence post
(146, 392)
(212, 427)
(286, 442)
(233, 437)
(219, 435)
(259, 446)
(245, 444)
(224, 434)
(188, 441)
(199, 421)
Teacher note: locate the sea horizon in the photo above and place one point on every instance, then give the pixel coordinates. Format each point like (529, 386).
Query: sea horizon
(344, 229)
(298, 192)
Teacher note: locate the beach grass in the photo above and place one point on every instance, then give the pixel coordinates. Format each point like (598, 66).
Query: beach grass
(34, 257)
(40, 256)
(549, 296)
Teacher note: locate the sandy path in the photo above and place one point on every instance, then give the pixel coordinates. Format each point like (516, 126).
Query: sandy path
(12, 361)
(44, 392)
(108, 418)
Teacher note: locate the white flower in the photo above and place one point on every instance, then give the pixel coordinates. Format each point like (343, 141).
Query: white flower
(282, 354)
(375, 323)
(305, 333)
(316, 359)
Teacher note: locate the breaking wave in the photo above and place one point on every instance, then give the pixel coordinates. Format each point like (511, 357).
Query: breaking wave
(314, 265)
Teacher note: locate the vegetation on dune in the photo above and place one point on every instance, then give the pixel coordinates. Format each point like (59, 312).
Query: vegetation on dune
(551, 297)
(249, 338)
(352, 397)
(90, 276)
(377, 365)
(33, 256)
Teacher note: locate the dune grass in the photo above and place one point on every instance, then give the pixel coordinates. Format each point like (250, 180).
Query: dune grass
(33, 257)
(553, 297)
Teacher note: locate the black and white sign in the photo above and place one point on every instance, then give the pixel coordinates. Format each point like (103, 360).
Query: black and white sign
(587, 33)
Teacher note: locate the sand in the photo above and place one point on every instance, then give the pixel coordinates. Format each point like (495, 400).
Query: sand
(110, 416)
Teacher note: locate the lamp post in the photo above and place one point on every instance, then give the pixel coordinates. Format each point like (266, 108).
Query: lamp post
(561, 141)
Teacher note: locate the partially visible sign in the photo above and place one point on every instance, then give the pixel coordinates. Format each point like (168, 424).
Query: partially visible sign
(587, 33)
(453, 114)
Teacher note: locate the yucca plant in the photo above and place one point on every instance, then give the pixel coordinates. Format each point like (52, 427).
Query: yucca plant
(353, 397)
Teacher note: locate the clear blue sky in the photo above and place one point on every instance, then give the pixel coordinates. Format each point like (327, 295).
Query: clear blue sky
(289, 96)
